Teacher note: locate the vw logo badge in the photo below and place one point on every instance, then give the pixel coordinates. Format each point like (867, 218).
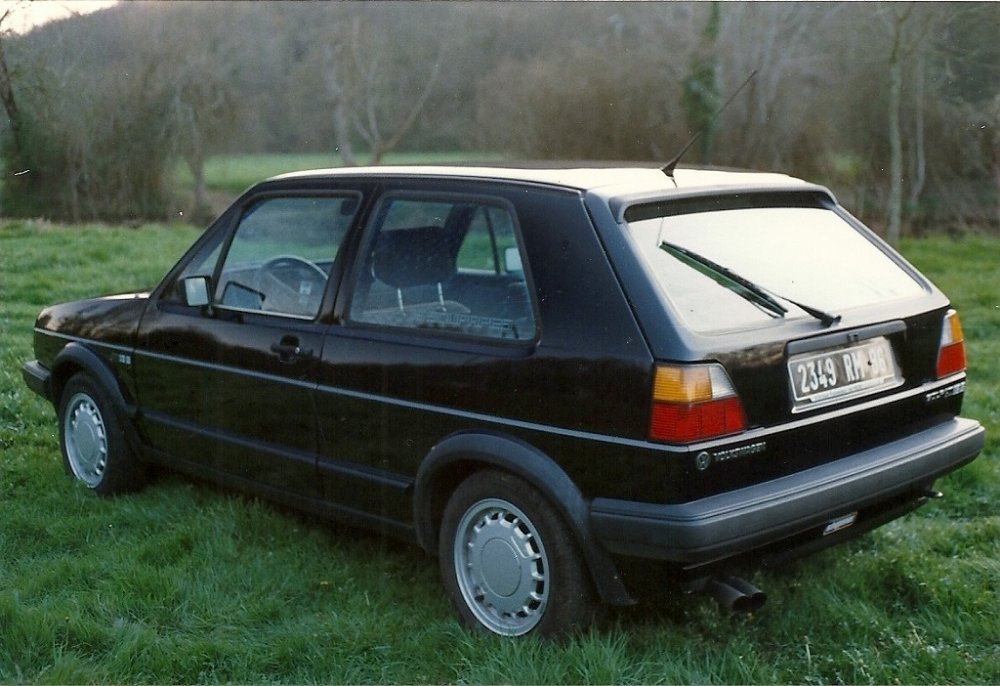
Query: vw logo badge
(703, 460)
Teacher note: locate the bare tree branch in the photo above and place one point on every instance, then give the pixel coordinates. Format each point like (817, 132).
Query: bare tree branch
(403, 128)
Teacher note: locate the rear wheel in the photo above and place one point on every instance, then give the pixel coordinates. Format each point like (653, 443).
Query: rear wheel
(509, 562)
(93, 444)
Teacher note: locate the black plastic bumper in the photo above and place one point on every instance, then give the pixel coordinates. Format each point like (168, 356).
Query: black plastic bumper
(730, 524)
(37, 379)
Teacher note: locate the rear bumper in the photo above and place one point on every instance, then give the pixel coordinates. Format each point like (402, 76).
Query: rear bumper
(37, 379)
(763, 515)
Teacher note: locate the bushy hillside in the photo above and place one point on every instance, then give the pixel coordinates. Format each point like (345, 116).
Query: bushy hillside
(849, 94)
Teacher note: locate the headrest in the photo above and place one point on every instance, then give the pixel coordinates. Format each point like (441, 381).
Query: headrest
(414, 257)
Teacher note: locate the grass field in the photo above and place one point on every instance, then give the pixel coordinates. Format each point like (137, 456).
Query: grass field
(185, 583)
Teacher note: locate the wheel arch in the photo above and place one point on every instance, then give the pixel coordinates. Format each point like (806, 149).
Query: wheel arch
(456, 457)
(76, 357)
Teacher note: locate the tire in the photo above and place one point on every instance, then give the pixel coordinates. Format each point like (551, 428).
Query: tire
(94, 448)
(509, 562)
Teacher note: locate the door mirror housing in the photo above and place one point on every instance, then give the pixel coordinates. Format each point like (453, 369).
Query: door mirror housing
(196, 291)
(512, 261)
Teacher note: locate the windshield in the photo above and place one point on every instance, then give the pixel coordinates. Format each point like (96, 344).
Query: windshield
(806, 255)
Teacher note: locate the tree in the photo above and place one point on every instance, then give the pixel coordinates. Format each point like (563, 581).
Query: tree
(102, 147)
(199, 92)
(20, 144)
(17, 150)
(701, 98)
(906, 31)
(368, 96)
(340, 106)
(773, 124)
(933, 51)
(846, 93)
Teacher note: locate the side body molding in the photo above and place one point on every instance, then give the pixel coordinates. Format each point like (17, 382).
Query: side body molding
(457, 456)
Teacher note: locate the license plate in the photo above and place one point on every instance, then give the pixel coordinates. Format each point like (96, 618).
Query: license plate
(830, 376)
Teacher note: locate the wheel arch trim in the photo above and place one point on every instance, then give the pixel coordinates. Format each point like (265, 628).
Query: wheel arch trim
(452, 459)
(76, 357)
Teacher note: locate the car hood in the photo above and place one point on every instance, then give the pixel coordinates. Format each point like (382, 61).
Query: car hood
(110, 319)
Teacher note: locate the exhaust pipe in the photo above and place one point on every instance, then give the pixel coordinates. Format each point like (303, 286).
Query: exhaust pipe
(735, 596)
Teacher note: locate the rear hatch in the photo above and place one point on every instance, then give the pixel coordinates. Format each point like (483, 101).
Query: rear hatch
(820, 335)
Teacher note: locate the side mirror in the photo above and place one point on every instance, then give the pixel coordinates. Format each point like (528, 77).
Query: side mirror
(196, 291)
(512, 260)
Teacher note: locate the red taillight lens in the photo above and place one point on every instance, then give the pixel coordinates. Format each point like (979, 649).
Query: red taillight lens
(951, 352)
(694, 403)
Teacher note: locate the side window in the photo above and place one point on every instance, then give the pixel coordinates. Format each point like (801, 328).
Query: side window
(281, 254)
(488, 242)
(445, 266)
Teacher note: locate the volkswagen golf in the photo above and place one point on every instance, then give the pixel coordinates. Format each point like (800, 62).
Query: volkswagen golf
(536, 375)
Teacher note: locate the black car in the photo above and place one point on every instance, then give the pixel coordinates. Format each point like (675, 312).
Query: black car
(535, 374)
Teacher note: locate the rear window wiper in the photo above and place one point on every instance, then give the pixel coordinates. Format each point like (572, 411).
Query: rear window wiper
(742, 286)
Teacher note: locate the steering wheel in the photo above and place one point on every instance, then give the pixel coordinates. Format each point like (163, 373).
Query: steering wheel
(291, 285)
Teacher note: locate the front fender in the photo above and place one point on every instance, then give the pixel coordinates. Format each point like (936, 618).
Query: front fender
(76, 357)
(457, 456)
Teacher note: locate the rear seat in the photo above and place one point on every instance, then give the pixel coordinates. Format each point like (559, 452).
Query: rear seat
(412, 283)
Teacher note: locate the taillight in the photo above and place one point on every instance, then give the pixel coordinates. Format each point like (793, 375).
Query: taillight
(951, 352)
(693, 403)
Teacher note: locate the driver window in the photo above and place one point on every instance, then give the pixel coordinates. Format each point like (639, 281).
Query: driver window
(281, 255)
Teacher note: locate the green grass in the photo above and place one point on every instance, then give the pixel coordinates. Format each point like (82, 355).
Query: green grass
(185, 583)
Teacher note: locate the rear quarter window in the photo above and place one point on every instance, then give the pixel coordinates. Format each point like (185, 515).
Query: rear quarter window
(447, 267)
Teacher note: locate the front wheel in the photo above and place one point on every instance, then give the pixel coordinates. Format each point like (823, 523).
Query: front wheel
(509, 563)
(93, 444)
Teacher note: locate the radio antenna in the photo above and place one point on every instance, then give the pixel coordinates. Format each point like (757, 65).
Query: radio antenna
(672, 164)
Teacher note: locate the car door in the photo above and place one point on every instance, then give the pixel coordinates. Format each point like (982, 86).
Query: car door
(437, 309)
(225, 388)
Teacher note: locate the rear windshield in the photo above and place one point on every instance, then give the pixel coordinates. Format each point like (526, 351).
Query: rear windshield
(740, 268)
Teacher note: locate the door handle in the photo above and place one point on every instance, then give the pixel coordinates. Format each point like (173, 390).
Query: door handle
(289, 350)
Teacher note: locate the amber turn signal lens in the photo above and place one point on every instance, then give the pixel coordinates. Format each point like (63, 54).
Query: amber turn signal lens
(682, 384)
(951, 352)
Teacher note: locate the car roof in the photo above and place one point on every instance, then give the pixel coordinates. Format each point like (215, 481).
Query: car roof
(619, 186)
(582, 177)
